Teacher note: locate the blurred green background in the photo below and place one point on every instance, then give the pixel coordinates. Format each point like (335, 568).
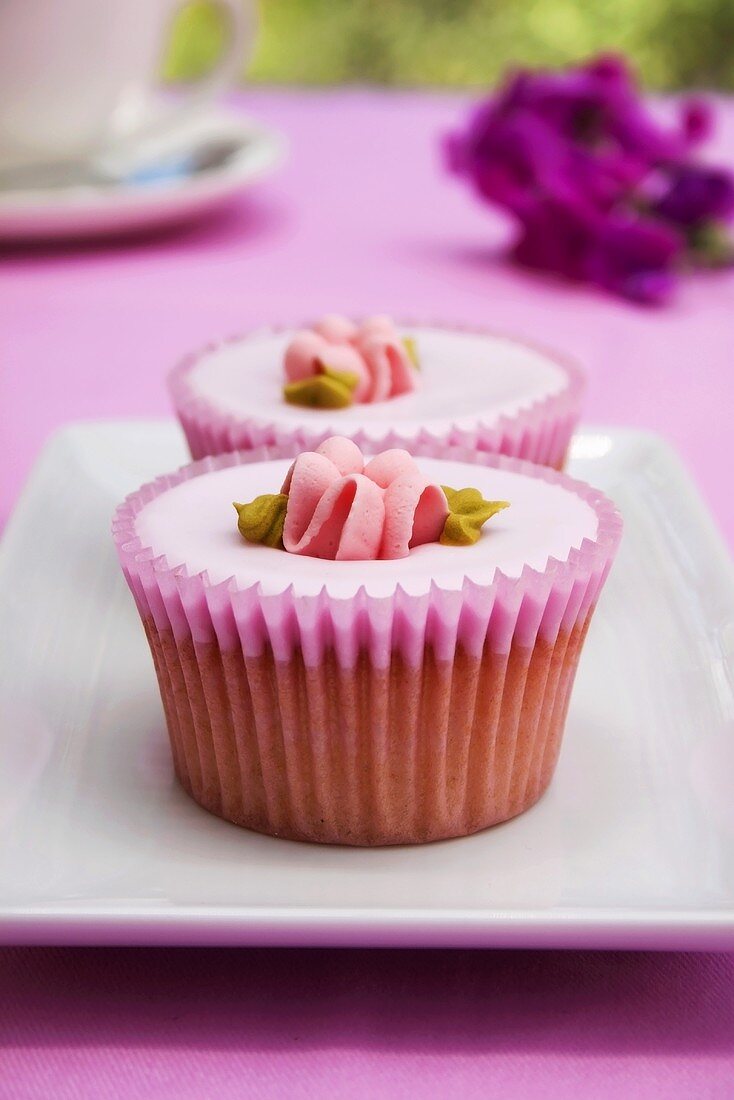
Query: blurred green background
(673, 43)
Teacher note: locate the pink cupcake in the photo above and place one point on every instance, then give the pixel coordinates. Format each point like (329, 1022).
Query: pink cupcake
(367, 650)
(381, 384)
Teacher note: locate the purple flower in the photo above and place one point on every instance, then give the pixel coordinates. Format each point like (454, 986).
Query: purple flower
(632, 258)
(697, 194)
(579, 103)
(602, 191)
(582, 136)
(635, 259)
(511, 160)
(697, 118)
(596, 107)
(556, 237)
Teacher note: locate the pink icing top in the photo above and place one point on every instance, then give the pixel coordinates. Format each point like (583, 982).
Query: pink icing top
(343, 509)
(373, 351)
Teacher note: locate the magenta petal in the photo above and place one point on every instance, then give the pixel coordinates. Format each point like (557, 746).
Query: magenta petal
(556, 237)
(430, 516)
(697, 117)
(697, 194)
(648, 287)
(636, 259)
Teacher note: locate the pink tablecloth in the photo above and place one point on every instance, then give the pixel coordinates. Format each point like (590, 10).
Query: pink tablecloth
(360, 219)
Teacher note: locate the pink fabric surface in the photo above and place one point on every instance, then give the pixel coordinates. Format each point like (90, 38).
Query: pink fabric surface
(360, 220)
(307, 1025)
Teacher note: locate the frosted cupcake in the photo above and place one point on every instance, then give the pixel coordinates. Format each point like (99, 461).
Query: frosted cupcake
(382, 385)
(365, 650)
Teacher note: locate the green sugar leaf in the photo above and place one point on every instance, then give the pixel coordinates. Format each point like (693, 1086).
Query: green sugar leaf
(711, 245)
(328, 389)
(412, 351)
(468, 512)
(262, 519)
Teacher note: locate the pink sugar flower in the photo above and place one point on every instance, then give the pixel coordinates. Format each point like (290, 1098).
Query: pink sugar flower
(373, 352)
(342, 509)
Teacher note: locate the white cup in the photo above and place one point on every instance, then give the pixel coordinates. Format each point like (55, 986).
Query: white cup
(77, 76)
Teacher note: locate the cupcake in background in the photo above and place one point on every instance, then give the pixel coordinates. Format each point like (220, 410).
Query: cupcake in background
(365, 650)
(382, 384)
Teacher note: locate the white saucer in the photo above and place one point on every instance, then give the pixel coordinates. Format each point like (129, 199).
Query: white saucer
(632, 846)
(157, 184)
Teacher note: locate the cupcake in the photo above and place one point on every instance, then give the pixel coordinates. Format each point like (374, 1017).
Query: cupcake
(382, 385)
(365, 650)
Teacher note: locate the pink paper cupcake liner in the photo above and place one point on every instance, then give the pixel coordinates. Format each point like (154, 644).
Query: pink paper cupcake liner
(540, 433)
(367, 720)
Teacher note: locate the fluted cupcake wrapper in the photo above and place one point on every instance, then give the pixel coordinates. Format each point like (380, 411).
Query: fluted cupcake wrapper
(367, 720)
(540, 433)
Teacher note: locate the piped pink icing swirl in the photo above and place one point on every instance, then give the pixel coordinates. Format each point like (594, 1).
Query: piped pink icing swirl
(341, 509)
(373, 351)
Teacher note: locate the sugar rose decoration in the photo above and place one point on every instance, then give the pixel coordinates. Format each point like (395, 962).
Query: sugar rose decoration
(333, 504)
(601, 191)
(336, 363)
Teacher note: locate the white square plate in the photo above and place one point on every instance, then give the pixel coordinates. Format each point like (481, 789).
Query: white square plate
(633, 846)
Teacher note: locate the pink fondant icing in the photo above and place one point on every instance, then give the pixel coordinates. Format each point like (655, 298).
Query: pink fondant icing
(340, 509)
(374, 351)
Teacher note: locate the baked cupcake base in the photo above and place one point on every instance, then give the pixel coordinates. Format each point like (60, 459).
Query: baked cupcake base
(365, 756)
